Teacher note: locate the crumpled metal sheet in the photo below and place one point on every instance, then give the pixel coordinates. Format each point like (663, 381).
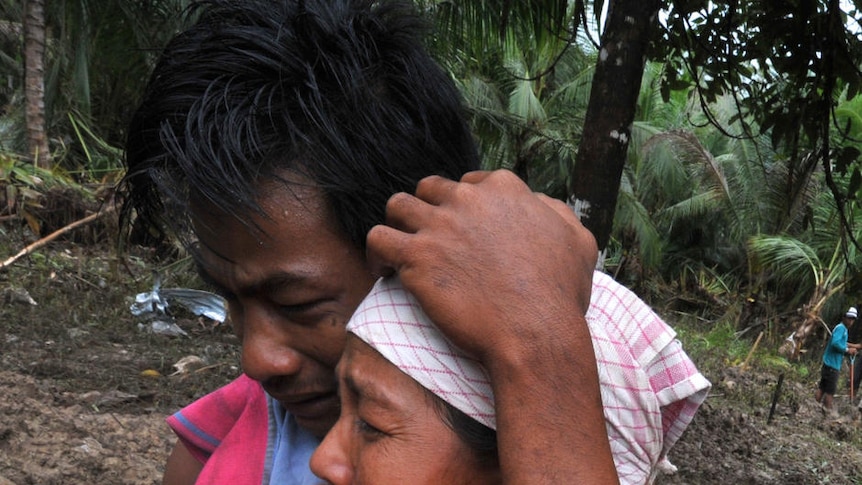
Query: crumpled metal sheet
(154, 304)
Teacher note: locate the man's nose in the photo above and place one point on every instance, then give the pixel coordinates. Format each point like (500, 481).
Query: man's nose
(267, 349)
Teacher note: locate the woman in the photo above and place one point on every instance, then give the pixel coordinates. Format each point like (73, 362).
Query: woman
(409, 400)
(417, 410)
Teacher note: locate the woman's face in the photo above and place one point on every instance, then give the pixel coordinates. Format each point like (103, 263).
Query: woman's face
(389, 431)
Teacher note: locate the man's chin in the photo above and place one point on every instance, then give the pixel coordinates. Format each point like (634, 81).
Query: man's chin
(318, 416)
(318, 427)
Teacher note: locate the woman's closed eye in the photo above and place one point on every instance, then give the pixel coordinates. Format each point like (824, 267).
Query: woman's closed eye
(367, 430)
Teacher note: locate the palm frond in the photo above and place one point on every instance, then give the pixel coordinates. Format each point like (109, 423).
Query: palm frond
(694, 207)
(633, 217)
(789, 260)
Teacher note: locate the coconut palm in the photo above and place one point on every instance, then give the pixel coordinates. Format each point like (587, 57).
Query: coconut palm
(96, 59)
(524, 79)
(732, 217)
(813, 268)
(676, 201)
(34, 82)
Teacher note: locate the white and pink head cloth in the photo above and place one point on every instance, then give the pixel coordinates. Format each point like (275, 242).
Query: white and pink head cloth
(650, 387)
(391, 321)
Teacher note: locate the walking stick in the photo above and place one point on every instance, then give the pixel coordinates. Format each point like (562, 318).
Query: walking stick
(852, 365)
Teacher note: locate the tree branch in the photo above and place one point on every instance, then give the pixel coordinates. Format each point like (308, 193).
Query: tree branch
(54, 235)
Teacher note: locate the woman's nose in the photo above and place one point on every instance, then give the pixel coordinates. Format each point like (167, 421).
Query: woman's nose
(331, 460)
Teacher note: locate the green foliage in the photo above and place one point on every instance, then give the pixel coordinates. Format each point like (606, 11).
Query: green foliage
(720, 346)
(99, 55)
(783, 61)
(789, 69)
(720, 339)
(23, 187)
(525, 82)
(102, 160)
(791, 261)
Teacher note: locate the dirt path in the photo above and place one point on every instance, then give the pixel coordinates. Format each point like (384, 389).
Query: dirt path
(77, 405)
(50, 438)
(84, 388)
(730, 442)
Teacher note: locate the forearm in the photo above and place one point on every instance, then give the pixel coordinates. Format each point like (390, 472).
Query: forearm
(182, 468)
(501, 270)
(550, 422)
(837, 345)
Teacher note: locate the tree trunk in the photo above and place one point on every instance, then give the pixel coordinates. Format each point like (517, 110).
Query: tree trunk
(610, 113)
(34, 82)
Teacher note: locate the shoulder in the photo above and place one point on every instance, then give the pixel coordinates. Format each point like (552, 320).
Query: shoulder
(203, 424)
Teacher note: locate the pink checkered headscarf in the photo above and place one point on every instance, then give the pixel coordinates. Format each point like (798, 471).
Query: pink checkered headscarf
(650, 387)
(391, 321)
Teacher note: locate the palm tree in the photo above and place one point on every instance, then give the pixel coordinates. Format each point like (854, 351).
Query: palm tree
(797, 265)
(731, 217)
(95, 61)
(811, 270)
(525, 81)
(34, 81)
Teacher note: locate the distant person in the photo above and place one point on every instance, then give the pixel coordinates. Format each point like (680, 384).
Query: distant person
(854, 336)
(833, 357)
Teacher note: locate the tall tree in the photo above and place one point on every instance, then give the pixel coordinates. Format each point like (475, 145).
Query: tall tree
(95, 56)
(34, 82)
(608, 126)
(787, 66)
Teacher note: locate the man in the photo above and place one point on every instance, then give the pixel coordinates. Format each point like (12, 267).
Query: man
(854, 336)
(833, 357)
(273, 136)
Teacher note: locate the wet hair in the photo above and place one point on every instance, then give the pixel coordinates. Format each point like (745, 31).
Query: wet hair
(479, 438)
(341, 92)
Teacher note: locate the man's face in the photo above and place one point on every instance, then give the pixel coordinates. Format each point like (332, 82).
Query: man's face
(290, 290)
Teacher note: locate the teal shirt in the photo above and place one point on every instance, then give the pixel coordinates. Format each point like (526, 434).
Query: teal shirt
(837, 347)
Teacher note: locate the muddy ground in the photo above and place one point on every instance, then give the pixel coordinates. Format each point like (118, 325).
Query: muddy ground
(84, 390)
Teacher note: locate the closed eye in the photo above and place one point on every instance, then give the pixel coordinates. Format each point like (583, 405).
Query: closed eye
(306, 314)
(368, 430)
(299, 308)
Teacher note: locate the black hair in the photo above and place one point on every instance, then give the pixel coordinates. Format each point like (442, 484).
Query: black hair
(480, 439)
(342, 92)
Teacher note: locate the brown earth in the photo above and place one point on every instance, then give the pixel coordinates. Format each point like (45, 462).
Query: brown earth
(84, 391)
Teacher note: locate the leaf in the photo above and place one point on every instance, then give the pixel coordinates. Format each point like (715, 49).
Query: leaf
(34, 223)
(855, 183)
(845, 158)
(11, 197)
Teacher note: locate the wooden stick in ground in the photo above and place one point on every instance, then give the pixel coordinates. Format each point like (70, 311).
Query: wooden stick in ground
(54, 235)
(751, 352)
(775, 396)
